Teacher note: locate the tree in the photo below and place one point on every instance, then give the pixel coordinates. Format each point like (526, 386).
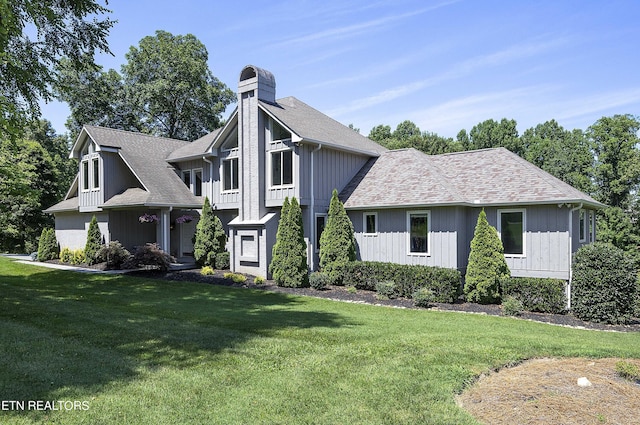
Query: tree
(615, 226)
(564, 154)
(95, 97)
(493, 134)
(168, 81)
(210, 238)
(48, 245)
(617, 168)
(289, 254)
(94, 241)
(380, 133)
(486, 265)
(337, 242)
(69, 29)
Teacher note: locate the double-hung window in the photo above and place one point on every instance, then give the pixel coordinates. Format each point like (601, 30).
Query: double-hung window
(230, 174)
(583, 225)
(418, 223)
(282, 168)
(511, 226)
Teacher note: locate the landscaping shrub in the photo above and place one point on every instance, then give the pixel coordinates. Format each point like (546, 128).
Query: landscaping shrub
(337, 242)
(604, 284)
(536, 294)
(150, 256)
(210, 238)
(628, 371)
(207, 271)
(66, 255)
(223, 260)
(259, 280)
(423, 297)
(47, 245)
(486, 264)
(444, 283)
(78, 257)
(94, 242)
(319, 280)
(386, 289)
(511, 306)
(289, 254)
(114, 254)
(236, 277)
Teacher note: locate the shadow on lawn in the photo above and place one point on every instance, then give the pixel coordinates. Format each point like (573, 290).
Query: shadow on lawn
(66, 333)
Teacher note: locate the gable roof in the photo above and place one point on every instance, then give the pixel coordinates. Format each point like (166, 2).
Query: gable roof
(195, 149)
(311, 125)
(410, 178)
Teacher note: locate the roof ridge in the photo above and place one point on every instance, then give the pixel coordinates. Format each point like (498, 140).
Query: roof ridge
(136, 133)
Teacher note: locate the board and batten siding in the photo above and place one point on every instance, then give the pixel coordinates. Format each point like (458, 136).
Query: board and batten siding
(546, 233)
(391, 242)
(117, 175)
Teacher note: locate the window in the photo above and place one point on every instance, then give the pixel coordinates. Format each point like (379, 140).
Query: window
(511, 225)
(592, 226)
(95, 165)
(321, 222)
(85, 175)
(370, 223)
(418, 232)
(230, 174)
(186, 178)
(197, 182)
(583, 226)
(281, 168)
(276, 132)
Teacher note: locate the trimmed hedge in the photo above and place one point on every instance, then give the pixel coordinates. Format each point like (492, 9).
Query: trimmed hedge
(536, 294)
(444, 283)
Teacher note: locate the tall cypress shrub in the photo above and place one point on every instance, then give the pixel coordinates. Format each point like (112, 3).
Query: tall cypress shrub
(47, 245)
(210, 238)
(94, 241)
(486, 264)
(289, 254)
(337, 243)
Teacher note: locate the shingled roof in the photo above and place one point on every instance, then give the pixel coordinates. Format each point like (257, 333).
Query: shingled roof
(410, 178)
(195, 149)
(313, 126)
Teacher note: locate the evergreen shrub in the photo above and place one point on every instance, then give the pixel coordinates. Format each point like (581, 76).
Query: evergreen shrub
(511, 306)
(444, 283)
(604, 285)
(94, 242)
(337, 242)
(536, 294)
(47, 245)
(114, 254)
(210, 238)
(207, 271)
(423, 297)
(66, 255)
(78, 257)
(223, 260)
(386, 289)
(319, 280)
(486, 265)
(288, 265)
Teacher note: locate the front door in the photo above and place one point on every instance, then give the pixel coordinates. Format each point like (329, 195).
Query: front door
(187, 231)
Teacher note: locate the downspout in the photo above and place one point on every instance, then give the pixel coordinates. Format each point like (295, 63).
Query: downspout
(571, 211)
(312, 208)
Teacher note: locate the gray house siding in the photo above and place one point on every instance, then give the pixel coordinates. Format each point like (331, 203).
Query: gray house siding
(71, 228)
(119, 175)
(391, 242)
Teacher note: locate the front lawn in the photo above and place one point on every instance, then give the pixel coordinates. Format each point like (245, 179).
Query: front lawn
(157, 352)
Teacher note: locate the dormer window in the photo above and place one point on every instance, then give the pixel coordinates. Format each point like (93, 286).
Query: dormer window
(90, 173)
(282, 168)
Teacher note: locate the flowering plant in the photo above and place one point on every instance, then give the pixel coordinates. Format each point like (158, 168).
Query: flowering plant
(184, 219)
(148, 218)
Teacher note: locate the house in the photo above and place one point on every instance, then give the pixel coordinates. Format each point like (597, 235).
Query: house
(406, 207)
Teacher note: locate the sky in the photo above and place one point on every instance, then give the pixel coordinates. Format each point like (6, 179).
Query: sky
(445, 65)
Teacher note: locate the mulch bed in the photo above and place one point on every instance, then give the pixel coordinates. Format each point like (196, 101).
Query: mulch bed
(341, 293)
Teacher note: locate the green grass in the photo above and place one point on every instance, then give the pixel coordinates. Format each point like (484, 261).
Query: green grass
(155, 352)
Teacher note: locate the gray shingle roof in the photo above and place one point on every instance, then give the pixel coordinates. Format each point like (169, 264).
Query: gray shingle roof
(497, 176)
(70, 204)
(312, 125)
(195, 149)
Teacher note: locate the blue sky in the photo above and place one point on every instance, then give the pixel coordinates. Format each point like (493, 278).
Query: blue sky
(445, 65)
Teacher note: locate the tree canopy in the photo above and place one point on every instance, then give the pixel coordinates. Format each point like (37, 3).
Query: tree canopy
(64, 29)
(165, 89)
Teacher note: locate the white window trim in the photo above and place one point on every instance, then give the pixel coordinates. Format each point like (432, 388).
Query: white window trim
(524, 229)
(419, 212)
(583, 215)
(94, 186)
(317, 233)
(222, 181)
(591, 226)
(193, 181)
(364, 223)
(85, 181)
(293, 169)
